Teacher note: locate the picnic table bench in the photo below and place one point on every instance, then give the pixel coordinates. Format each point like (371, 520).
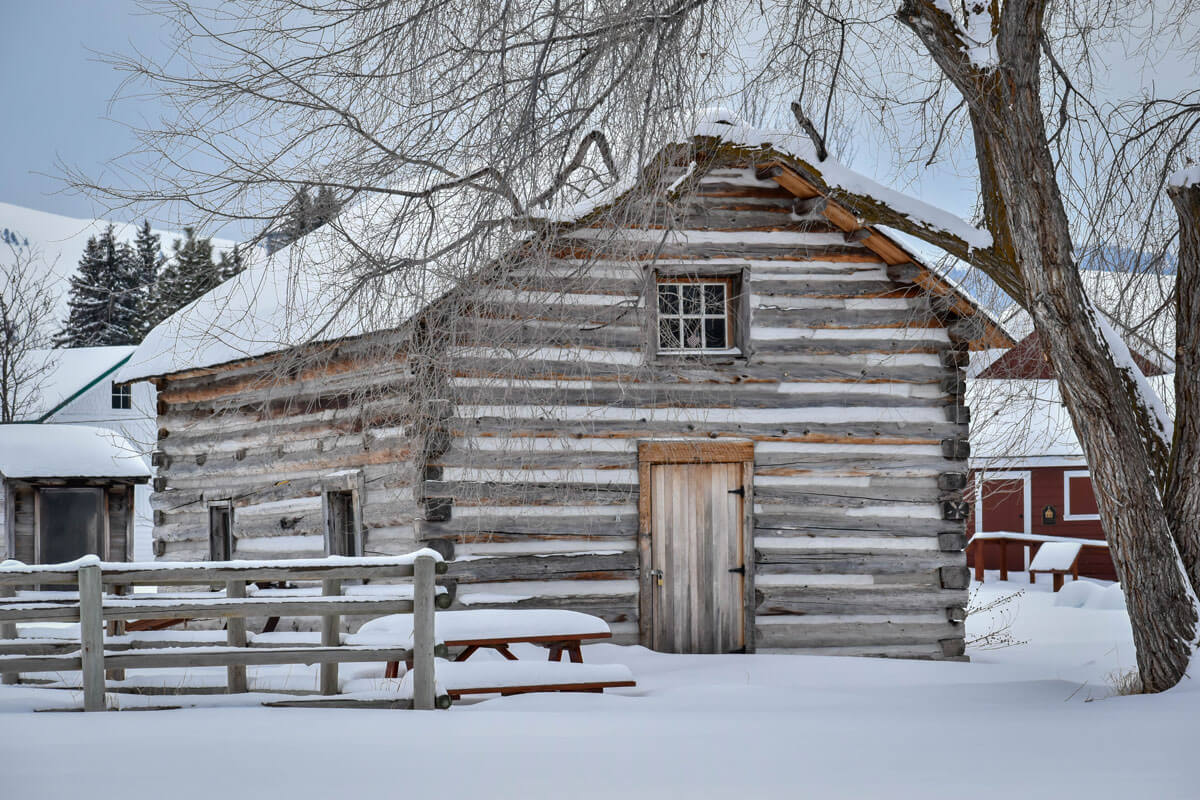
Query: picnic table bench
(456, 679)
(1057, 559)
(1050, 563)
(559, 630)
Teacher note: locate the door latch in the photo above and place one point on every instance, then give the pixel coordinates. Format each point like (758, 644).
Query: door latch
(657, 575)
(740, 491)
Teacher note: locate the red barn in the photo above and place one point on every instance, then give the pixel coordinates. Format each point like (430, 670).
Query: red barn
(1028, 472)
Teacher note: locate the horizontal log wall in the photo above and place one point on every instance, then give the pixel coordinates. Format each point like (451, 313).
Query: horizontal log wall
(849, 385)
(267, 433)
(848, 390)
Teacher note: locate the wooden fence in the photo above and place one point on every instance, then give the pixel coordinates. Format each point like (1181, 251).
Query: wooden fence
(93, 608)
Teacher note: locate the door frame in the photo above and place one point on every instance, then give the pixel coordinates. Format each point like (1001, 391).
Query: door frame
(693, 451)
(102, 532)
(1023, 475)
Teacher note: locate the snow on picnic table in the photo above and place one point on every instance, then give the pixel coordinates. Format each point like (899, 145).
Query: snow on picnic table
(1034, 721)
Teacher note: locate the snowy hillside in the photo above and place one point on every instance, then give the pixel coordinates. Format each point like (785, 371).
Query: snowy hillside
(59, 240)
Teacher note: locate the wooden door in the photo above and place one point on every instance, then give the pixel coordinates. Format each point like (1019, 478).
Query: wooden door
(697, 567)
(71, 524)
(1003, 506)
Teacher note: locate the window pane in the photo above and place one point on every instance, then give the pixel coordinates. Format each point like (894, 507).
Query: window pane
(691, 334)
(714, 298)
(668, 334)
(668, 298)
(714, 332)
(691, 298)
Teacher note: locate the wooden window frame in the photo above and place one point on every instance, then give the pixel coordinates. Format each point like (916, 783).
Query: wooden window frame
(1067, 515)
(737, 305)
(225, 506)
(122, 396)
(694, 451)
(347, 482)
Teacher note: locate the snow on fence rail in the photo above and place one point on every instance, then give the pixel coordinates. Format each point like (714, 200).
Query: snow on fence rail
(93, 607)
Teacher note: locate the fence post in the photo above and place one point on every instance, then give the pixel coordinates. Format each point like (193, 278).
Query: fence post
(235, 636)
(331, 629)
(423, 633)
(91, 635)
(8, 630)
(116, 627)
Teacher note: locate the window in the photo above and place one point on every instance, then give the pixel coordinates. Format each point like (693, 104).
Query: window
(1079, 502)
(220, 532)
(694, 314)
(122, 395)
(341, 534)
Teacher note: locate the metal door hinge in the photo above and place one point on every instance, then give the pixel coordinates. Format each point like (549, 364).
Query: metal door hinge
(739, 570)
(740, 491)
(741, 650)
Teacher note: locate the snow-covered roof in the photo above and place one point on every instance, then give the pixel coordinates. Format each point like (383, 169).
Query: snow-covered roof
(1018, 422)
(63, 374)
(1137, 304)
(310, 291)
(307, 292)
(67, 451)
(726, 125)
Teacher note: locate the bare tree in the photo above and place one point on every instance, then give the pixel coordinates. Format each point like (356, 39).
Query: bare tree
(531, 105)
(27, 301)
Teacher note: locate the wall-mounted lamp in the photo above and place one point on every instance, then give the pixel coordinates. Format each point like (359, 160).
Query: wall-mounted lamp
(1049, 515)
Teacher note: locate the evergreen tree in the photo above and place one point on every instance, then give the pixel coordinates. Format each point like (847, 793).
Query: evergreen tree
(230, 264)
(324, 208)
(188, 274)
(105, 296)
(147, 249)
(304, 214)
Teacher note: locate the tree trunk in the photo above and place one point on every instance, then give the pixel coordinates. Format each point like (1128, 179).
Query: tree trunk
(1102, 396)
(1183, 481)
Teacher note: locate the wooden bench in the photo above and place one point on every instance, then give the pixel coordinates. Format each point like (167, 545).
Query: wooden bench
(1058, 559)
(559, 630)
(457, 679)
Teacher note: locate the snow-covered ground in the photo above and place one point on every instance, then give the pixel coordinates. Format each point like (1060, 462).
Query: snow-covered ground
(1032, 720)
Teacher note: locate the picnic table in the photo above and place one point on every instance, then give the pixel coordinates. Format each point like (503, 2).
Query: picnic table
(559, 630)
(1004, 539)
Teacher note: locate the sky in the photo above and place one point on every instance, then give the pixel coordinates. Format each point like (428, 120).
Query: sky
(56, 101)
(56, 95)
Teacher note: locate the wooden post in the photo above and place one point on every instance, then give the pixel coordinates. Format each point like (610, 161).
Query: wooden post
(235, 636)
(91, 636)
(8, 630)
(116, 627)
(330, 637)
(423, 633)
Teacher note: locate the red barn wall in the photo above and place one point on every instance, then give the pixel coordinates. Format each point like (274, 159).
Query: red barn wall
(1046, 490)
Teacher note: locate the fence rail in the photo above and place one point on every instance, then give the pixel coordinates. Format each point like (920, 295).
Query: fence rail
(93, 608)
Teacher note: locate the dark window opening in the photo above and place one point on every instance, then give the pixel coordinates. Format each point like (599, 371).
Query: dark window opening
(341, 536)
(220, 533)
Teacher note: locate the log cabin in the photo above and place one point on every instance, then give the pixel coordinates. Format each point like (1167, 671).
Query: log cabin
(708, 406)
